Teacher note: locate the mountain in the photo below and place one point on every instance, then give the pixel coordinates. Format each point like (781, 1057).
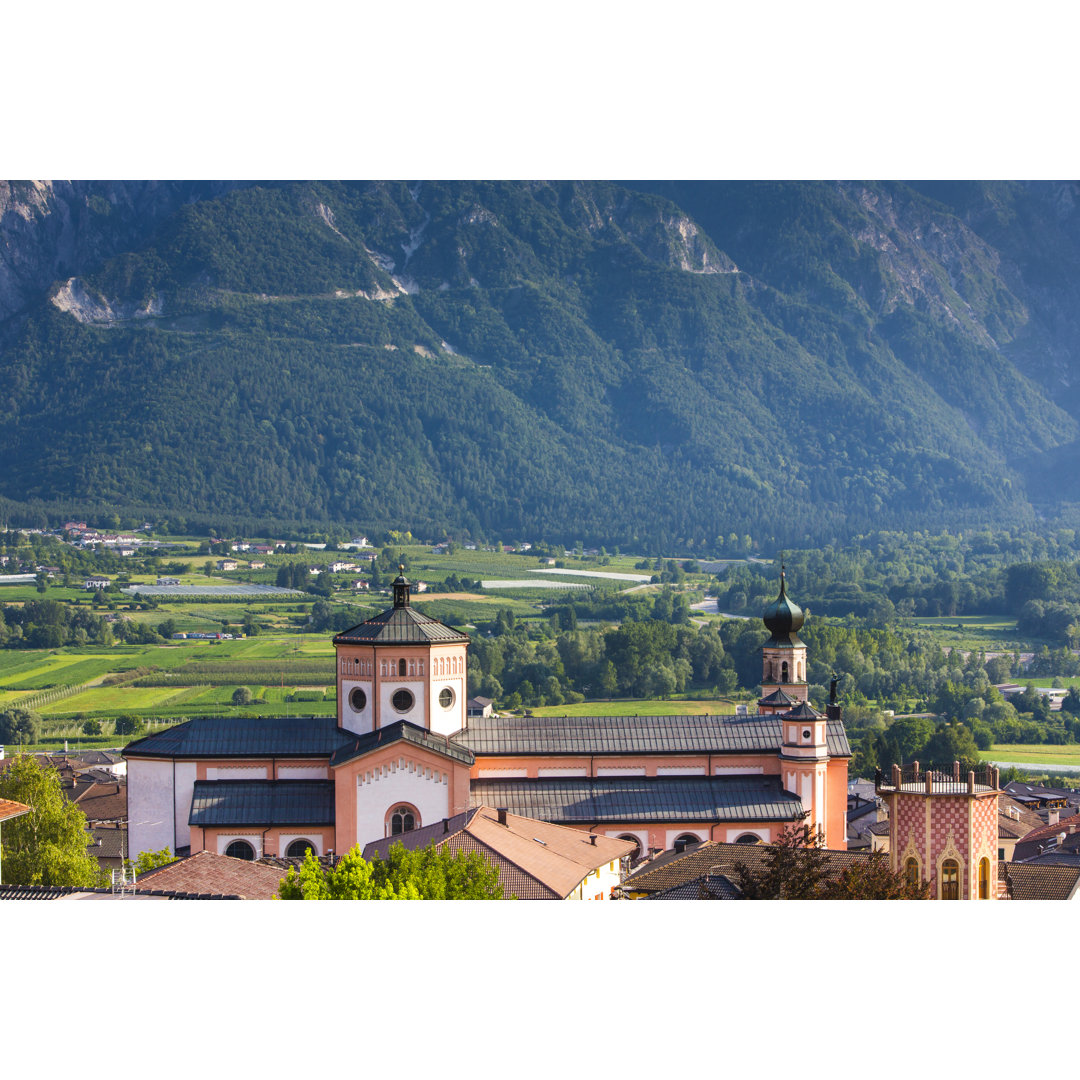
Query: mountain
(635, 364)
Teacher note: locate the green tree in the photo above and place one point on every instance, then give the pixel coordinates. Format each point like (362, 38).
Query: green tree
(48, 845)
(427, 874)
(151, 860)
(129, 725)
(794, 868)
(91, 727)
(241, 696)
(19, 726)
(873, 880)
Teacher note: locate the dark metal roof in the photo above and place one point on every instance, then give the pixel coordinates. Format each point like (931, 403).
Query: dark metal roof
(705, 887)
(632, 735)
(778, 697)
(588, 800)
(358, 745)
(262, 802)
(400, 626)
(802, 711)
(244, 736)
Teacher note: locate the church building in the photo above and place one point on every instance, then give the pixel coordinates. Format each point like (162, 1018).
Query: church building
(403, 754)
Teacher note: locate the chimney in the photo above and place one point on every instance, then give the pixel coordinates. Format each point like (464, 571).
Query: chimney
(1053, 818)
(445, 824)
(592, 839)
(502, 815)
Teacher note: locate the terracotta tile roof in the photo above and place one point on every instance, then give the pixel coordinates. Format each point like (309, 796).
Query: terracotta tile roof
(207, 872)
(536, 860)
(78, 892)
(102, 802)
(879, 828)
(715, 857)
(107, 842)
(1018, 813)
(1037, 881)
(10, 809)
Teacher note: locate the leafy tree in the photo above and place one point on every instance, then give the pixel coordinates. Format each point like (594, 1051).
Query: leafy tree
(151, 860)
(19, 726)
(48, 845)
(129, 725)
(241, 696)
(794, 868)
(427, 874)
(873, 880)
(91, 727)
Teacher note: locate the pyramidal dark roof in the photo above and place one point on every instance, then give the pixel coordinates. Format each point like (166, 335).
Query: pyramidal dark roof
(778, 697)
(400, 625)
(802, 711)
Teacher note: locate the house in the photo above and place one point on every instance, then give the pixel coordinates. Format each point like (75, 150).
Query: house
(95, 583)
(479, 707)
(1033, 881)
(227, 564)
(256, 564)
(536, 860)
(168, 581)
(1057, 841)
(402, 753)
(108, 844)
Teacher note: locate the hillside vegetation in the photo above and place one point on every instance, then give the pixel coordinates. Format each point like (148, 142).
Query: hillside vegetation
(796, 362)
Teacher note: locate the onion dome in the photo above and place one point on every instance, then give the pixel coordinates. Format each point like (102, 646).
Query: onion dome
(782, 618)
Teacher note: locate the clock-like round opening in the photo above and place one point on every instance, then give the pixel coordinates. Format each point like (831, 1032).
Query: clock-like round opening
(446, 697)
(358, 699)
(806, 733)
(402, 700)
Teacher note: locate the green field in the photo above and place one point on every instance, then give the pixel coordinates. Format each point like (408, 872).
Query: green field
(1022, 753)
(993, 633)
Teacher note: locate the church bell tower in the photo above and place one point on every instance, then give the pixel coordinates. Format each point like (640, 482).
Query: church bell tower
(783, 679)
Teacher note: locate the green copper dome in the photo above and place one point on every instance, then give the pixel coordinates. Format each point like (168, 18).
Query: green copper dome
(783, 618)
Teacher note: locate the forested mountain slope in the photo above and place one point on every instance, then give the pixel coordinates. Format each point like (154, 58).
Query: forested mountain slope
(634, 364)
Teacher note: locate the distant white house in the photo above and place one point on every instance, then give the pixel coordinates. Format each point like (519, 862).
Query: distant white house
(95, 583)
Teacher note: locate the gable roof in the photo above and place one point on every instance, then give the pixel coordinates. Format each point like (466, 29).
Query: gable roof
(704, 887)
(10, 809)
(537, 860)
(244, 736)
(616, 799)
(262, 802)
(513, 735)
(714, 857)
(1038, 881)
(400, 730)
(102, 802)
(208, 872)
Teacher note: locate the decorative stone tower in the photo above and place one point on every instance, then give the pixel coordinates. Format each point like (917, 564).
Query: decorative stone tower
(401, 665)
(783, 679)
(804, 760)
(943, 828)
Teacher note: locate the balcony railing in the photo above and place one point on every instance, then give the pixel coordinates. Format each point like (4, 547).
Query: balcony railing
(937, 781)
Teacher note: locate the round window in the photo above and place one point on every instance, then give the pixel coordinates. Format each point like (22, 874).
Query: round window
(358, 700)
(402, 700)
(240, 849)
(806, 733)
(446, 697)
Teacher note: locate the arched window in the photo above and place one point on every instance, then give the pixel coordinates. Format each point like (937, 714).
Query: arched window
(984, 879)
(684, 841)
(911, 871)
(299, 848)
(950, 880)
(403, 819)
(748, 838)
(784, 672)
(401, 667)
(636, 853)
(240, 849)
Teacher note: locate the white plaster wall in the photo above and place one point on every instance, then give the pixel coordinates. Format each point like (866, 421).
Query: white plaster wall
(185, 790)
(598, 884)
(582, 771)
(237, 772)
(304, 772)
(150, 806)
(316, 838)
(680, 770)
(349, 718)
(254, 839)
(426, 789)
(447, 721)
(494, 774)
(733, 834)
(701, 834)
(738, 770)
(621, 772)
(389, 715)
